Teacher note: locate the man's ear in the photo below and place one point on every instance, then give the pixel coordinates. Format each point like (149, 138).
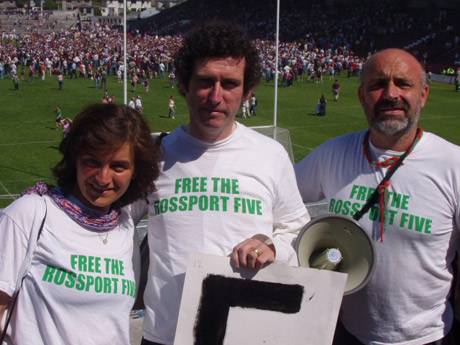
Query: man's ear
(425, 93)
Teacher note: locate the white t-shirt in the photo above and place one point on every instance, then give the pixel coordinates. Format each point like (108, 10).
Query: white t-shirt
(210, 198)
(78, 289)
(405, 302)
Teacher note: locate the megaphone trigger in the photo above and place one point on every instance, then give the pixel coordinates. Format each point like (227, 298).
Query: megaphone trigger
(340, 244)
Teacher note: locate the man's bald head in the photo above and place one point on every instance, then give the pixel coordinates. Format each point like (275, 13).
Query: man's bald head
(396, 54)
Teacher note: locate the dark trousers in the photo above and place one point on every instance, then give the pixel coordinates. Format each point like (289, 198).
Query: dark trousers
(343, 337)
(146, 342)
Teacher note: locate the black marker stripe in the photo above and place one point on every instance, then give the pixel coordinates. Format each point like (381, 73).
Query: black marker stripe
(219, 293)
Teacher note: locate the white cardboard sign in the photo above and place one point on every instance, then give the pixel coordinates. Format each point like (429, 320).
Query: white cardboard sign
(278, 305)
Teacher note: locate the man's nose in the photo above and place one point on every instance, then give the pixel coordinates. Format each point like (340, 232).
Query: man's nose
(391, 91)
(216, 94)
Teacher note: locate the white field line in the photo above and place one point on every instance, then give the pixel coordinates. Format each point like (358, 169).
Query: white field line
(303, 147)
(30, 143)
(6, 190)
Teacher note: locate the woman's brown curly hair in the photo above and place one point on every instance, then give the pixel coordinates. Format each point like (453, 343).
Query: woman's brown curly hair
(103, 128)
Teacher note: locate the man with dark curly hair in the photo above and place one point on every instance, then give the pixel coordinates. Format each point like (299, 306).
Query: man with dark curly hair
(223, 189)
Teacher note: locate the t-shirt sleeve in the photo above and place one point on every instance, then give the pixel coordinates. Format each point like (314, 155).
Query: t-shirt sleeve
(13, 243)
(290, 215)
(309, 173)
(138, 210)
(457, 218)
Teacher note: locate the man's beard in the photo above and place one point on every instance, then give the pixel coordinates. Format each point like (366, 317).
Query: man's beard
(393, 125)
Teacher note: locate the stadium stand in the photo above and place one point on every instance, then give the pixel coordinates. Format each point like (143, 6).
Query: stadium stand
(318, 37)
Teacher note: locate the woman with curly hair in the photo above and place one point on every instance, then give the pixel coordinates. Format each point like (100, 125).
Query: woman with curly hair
(78, 285)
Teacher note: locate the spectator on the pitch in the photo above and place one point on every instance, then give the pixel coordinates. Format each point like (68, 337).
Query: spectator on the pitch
(138, 104)
(146, 84)
(15, 79)
(245, 109)
(253, 105)
(321, 106)
(172, 79)
(60, 78)
(132, 103)
(171, 107)
(336, 90)
(2, 69)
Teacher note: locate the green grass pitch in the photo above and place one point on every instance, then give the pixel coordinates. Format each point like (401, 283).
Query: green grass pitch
(29, 139)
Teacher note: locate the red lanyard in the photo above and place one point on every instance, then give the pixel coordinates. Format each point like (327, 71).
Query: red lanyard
(392, 163)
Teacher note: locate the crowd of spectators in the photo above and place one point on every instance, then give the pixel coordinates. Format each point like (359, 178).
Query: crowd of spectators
(96, 52)
(317, 40)
(93, 53)
(363, 27)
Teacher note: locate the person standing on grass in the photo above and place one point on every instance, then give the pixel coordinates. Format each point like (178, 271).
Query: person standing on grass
(171, 107)
(60, 78)
(146, 84)
(245, 109)
(217, 68)
(321, 106)
(336, 90)
(414, 218)
(31, 70)
(253, 105)
(172, 79)
(132, 103)
(15, 79)
(2, 69)
(80, 285)
(138, 104)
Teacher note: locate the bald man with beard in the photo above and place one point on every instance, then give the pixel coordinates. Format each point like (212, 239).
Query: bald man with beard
(415, 219)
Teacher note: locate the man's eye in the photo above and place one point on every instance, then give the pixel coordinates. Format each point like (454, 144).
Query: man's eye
(205, 82)
(404, 84)
(229, 85)
(375, 86)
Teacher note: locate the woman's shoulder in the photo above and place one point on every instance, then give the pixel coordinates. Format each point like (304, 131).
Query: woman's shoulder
(26, 209)
(25, 201)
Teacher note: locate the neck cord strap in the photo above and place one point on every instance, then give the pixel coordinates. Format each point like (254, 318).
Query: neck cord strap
(379, 193)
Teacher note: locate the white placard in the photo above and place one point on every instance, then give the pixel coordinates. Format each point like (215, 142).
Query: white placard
(275, 287)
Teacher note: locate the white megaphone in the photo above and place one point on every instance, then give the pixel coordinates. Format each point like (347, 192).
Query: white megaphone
(340, 244)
